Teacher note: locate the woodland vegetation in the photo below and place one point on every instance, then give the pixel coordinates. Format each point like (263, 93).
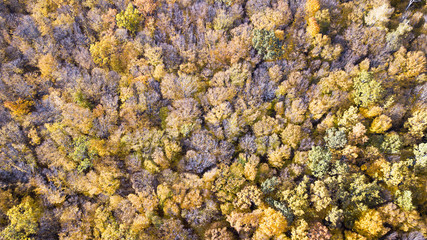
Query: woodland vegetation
(213, 119)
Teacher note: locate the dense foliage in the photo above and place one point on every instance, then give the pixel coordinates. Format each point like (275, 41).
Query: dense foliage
(213, 119)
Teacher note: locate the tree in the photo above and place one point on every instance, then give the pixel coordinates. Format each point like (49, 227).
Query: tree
(320, 196)
(184, 86)
(271, 18)
(82, 155)
(300, 230)
(404, 200)
(245, 223)
(312, 6)
(379, 16)
(298, 198)
(370, 224)
(319, 232)
(394, 38)
(313, 27)
(367, 90)
(23, 220)
(364, 192)
(269, 185)
(218, 234)
(381, 124)
(417, 124)
(271, 224)
(267, 44)
(248, 197)
(420, 152)
(109, 52)
(228, 182)
(47, 65)
(184, 118)
(277, 157)
(20, 107)
(292, 135)
(335, 217)
(392, 143)
(335, 138)
(407, 66)
(147, 7)
(319, 160)
(129, 19)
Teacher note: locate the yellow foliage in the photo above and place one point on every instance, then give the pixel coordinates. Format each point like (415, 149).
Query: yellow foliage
(99, 146)
(47, 65)
(338, 80)
(271, 18)
(170, 208)
(349, 235)
(407, 65)
(277, 157)
(300, 157)
(140, 222)
(321, 197)
(312, 27)
(192, 200)
(300, 230)
(417, 124)
(381, 124)
(20, 107)
(292, 135)
(244, 222)
(280, 34)
(271, 224)
(379, 168)
(370, 224)
(250, 170)
(108, 181)
(312, 6)
(33, 136)
(371, 112)
(323, 48)
(248, 196)
(109, 52)
(150, 166)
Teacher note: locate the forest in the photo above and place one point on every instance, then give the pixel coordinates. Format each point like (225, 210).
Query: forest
(213, 119)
